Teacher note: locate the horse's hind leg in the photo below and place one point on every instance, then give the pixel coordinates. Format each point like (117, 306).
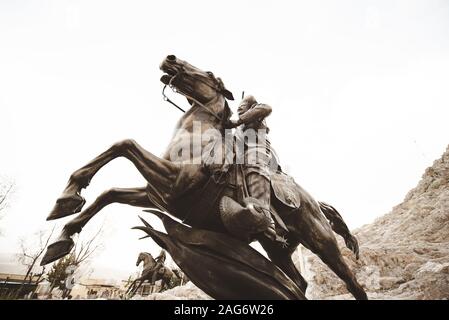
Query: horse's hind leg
(316, 235)
(159, 173)
(131, 196)
(282, 257)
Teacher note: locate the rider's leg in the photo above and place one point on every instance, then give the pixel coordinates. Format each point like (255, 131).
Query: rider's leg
(259, 187)
(155, 275)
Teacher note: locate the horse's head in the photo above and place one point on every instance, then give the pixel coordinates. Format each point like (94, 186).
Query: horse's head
(139, 259)
(142, 256)
(192, 82)
(207, 96)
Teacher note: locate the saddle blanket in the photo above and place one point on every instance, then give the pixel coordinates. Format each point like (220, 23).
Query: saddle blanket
(285, 189)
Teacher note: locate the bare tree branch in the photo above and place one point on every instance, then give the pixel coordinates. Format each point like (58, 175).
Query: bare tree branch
(5, 195)
(29, 256)
(86, 249)
(80, 253)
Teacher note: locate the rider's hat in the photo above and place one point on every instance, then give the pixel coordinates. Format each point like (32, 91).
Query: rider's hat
(246, 103)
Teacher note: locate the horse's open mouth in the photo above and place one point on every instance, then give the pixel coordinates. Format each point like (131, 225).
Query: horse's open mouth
(172, 76)
(165, 79)
(173, 80)
(169, 73)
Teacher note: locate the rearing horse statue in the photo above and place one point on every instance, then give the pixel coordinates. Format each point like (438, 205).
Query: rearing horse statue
(174, 186)
(152, 272)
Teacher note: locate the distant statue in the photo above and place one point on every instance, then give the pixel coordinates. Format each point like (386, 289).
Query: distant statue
(153, 270)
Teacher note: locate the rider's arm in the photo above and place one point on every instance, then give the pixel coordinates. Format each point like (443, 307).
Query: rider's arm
(257, 113)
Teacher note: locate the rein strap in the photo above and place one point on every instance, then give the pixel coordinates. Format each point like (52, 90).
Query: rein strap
(169, 101)
(188, 97)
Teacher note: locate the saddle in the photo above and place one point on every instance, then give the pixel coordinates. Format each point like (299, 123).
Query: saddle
(221, 202)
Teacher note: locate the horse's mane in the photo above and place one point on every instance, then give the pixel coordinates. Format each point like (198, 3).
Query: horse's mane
(148, 254)
(227, 113)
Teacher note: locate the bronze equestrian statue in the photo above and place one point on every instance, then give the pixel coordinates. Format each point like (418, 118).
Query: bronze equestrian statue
(153, 270)
(192, 191)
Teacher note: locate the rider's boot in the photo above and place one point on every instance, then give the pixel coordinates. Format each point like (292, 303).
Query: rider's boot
(246, 221)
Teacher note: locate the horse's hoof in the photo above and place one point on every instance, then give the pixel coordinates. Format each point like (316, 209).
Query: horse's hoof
(57, 250)
(66, 206)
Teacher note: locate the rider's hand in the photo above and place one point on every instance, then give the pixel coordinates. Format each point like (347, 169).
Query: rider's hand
(234, 123)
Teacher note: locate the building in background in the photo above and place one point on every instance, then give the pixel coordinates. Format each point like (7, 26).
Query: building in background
(15, 285)
(96, 289)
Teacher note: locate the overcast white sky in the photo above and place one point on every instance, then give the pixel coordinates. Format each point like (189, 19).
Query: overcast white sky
(359, 91)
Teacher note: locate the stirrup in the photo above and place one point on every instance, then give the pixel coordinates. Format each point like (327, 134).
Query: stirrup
(283, 241)
(271, 234)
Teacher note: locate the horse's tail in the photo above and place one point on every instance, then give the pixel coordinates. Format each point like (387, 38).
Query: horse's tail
(339, 226)
(335, 219)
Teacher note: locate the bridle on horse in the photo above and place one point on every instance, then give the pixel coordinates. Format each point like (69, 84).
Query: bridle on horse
(170, 85)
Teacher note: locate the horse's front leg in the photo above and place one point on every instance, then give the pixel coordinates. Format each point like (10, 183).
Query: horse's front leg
(139, 285)
(131, 287)
(63, 245)
(159, 173)
(132, 292)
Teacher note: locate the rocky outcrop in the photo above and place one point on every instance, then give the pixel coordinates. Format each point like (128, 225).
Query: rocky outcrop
(186, 292)
(405, 253)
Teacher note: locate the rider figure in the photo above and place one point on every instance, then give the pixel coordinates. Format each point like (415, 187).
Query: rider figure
(256, 158)
(160, 260)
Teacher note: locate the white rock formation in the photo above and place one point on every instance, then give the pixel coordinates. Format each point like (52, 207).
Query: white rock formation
(186, 292)
(403, 254)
